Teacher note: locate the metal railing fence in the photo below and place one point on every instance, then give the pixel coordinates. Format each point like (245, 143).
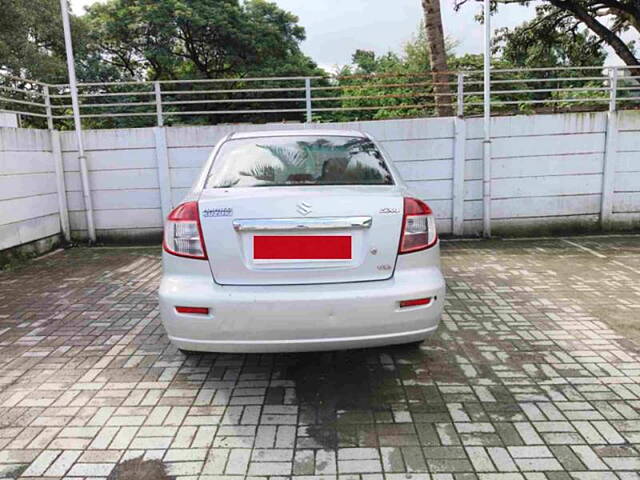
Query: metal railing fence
(319, 99)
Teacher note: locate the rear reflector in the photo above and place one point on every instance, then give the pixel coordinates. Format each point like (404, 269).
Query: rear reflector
(302, 247)
(415, 303)
(196, 310)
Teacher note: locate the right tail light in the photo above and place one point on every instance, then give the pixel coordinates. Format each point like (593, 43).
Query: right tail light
(418, 227)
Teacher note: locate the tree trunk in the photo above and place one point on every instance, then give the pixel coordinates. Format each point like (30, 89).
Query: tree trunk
(437, 56)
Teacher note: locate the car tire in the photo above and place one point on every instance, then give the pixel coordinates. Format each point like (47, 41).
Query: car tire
(189, 353)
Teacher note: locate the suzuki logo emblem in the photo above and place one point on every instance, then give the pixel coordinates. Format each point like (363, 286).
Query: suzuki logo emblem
(304, 208)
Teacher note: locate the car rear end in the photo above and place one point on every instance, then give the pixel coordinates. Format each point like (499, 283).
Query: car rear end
(297, 241)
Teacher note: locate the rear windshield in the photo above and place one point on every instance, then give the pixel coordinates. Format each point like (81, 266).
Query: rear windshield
(298, 160)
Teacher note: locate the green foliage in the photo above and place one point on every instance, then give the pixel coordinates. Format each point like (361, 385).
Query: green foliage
(387, 86)
(204, 39)
(608, 22)
(172, 39)
(118, 40)
(549, 41)
(577, 96)
(401, 85)
(31, 46)
(159, 40)
(554, 41)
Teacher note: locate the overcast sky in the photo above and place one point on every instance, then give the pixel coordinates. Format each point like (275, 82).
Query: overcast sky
(336, 28)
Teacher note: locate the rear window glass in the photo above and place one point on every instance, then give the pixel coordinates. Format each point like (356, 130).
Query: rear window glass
(298, 160)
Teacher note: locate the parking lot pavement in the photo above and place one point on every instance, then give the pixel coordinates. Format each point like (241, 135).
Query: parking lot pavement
(526, 379)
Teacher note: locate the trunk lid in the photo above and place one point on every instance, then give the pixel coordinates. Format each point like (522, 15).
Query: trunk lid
(301, 235)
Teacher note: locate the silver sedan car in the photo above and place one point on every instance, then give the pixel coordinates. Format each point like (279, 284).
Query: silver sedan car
(296, 241)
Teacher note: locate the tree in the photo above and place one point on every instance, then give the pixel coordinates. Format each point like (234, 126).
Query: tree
(277, 37)
(365, 61)
(606, 19)
(159, 40)
(437, 56)
(387, 86)
(550, 43)
(205, 39)
(32, 42)
(136, 37)
(168, 39)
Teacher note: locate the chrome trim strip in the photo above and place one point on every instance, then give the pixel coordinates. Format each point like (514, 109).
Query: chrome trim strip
(318, 223)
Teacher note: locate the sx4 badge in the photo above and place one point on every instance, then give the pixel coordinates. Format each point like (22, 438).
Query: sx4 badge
(217, 212)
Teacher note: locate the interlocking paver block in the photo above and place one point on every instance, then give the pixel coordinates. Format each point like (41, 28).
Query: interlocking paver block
(304, 462)
(40, 464)
(62, 464)
(526, 379)
(91, 469)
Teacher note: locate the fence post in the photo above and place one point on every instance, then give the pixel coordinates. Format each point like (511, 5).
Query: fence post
(158, 92)
(77, 121)
(610, 154)
(164, 178)
(56, 150)
(613, 88)
(307, 89)
(459, 154)
(460, 101)
(47, 106)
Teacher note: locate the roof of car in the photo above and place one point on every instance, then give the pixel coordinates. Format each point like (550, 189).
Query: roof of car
(299, 132)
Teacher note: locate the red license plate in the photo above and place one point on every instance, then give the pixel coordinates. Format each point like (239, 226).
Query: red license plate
(302, 247)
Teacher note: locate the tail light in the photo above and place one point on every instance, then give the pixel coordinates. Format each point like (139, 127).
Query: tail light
(183, 234)
(418, 227)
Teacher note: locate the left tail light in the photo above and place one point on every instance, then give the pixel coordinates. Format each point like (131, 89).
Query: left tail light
(183, 233)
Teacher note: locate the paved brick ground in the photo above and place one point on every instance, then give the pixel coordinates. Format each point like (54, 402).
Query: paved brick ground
(525, 380)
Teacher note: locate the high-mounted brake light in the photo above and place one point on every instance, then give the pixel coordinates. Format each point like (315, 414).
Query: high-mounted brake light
(183, 233)
(418, 227)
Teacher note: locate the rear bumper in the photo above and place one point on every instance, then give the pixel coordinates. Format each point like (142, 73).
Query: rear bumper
(301, 317)
(303, 345)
